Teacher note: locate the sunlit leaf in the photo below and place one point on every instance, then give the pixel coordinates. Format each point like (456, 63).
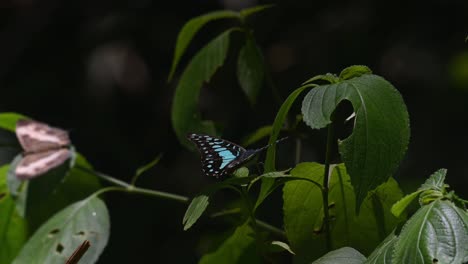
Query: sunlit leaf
(381, 130)
(437, 231)
(345, 255)
(304, 217)
(185, 114)
(189, 30)
(250, 69)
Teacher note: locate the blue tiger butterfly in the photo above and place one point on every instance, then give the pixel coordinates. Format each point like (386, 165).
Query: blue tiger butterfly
(220, 157)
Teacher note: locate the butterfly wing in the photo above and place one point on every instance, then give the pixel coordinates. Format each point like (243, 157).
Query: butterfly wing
(35, 164)
(36, 136)
(216, 154)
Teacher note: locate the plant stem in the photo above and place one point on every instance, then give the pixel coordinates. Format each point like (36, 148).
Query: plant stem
(278, 232)
(326, 174)
(132, 189)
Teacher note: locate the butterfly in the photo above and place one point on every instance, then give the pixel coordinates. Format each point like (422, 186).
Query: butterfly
(220, 157)
(45, 148)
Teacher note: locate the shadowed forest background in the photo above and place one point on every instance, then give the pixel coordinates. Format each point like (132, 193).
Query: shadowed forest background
(99, 69)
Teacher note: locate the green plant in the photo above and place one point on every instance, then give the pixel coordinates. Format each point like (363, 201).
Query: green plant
(333, 213)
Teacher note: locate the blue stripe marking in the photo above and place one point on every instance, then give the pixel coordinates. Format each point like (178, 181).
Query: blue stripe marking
(227, 157)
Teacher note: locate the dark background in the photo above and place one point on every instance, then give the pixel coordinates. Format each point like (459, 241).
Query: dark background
(99, 69)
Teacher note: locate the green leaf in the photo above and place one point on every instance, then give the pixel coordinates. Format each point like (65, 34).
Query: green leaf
(199, 204)
(399, 207)
(383, 253)
(257, 135)
(282, 246)
(302, 209)
(303, 213)
(189, 30)
(375, 221)
(252, 10)
(146, 167)
(56, 240)
(250, 69)
(354, 71)
(381, 130)
(345, 255)
(13, 228)
(437, 231)
(8, 120)
(435, 181)
(185, 114)
(238, 248)
(195, 210)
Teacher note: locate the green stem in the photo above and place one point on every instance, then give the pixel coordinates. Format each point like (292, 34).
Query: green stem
(325, 189)
(132, 189)
(274, 230)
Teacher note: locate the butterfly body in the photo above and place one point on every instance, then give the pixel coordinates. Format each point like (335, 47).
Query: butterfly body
(45, 148)
(221, 157)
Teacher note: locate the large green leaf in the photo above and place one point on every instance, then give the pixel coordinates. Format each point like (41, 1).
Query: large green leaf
(13, 228)
(56, 239)
(381, 130)
(345, 255)
(437, 231)
(185, 114)
(238, 248)
(250, 69)
(189, 30)
(303, 213)
(383, 253)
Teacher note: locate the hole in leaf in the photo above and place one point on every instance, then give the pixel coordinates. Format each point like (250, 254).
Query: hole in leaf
(53, 232)
(59, 248)
(81, 233)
